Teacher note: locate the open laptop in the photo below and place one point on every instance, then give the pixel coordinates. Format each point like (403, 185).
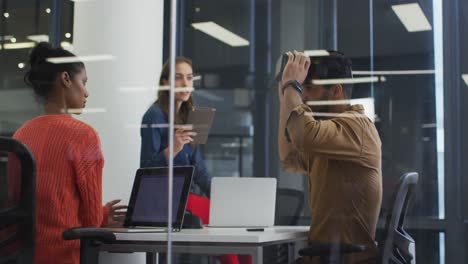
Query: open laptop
(242, 202)
(147, 209)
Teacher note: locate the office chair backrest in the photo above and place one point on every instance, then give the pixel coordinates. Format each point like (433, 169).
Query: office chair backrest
(399, 245)
(289, 205)
(17, 204)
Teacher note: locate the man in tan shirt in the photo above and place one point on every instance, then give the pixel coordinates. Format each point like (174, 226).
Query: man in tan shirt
(340, 151)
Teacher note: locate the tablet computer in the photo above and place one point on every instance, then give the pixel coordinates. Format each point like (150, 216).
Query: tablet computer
(201, 119)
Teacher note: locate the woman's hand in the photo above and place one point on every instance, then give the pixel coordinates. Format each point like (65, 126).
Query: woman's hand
(116, 213)
(182, 137)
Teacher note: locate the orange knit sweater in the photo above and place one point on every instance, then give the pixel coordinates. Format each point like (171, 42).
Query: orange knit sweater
(69, 164)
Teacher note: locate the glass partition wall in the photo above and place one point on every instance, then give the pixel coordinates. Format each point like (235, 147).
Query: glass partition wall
(409, 72)
(398, 52)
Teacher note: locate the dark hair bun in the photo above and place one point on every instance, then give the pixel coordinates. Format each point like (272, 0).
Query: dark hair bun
(40, 53)
(42, 74)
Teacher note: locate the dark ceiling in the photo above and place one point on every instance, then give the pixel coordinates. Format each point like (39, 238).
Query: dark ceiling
(354, 27)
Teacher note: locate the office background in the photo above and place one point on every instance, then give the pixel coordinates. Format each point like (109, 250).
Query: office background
(418, 99)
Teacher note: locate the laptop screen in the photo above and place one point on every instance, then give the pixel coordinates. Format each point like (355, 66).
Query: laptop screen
(148, 205)
(151, 200)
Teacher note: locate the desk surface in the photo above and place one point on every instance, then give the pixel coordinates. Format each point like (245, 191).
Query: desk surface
(223, 235)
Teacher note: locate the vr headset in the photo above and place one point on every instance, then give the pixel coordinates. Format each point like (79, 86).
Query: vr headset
(334, 66)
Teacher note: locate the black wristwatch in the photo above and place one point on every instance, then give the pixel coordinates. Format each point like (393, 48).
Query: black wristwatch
(294, 84)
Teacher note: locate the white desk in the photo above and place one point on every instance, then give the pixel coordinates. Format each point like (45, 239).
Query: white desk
(210, 241)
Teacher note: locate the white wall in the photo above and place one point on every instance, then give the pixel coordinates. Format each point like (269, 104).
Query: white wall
(132, 31)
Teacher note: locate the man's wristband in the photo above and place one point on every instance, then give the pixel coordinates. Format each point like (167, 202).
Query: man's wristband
(294, 84)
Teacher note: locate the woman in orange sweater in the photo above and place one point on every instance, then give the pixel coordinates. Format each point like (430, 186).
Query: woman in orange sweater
(68, 157)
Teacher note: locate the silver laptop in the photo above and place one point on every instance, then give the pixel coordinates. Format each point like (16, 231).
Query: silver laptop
(242, 202)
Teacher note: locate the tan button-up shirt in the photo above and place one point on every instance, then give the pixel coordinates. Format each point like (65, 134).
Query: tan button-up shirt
(342, 157)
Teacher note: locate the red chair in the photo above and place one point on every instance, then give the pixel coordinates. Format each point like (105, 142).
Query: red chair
(200, 206)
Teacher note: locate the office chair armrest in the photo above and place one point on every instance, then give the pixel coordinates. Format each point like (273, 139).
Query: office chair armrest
(89, 233)
(324, 249)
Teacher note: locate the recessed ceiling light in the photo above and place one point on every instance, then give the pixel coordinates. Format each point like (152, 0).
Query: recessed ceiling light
(412, 17)
(66, 45)
(21, 65)
(38, 38)
(67, 35)
(221, 34)
(19, 45)
(48, 10)
(6, 15)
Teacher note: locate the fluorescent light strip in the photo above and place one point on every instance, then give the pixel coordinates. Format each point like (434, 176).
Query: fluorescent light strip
(348, 80)
(137, 89)
(412, 72)
(442, 247)
(368, 103)
(412, 17)
(336, 115)
(84, 110)
(184, 126)
(316, 53)
(177, 90)
(329, 102)
(72, 59)
(38, 38)
(197, 77)
(437, 7)
(465, 78)
(221, 34)
(19, 45)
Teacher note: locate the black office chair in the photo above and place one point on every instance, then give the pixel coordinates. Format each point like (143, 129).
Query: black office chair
(289, 206)
(398, 245)
(17, 208)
